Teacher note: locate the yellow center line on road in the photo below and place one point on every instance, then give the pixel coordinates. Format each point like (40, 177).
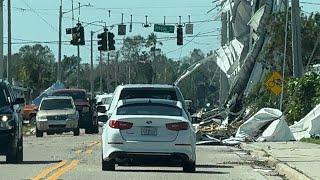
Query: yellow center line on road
(61, 167)
(48, 170)
(90, 150)
(64, 169)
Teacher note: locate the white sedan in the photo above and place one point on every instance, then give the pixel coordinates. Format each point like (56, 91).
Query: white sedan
(148, 132)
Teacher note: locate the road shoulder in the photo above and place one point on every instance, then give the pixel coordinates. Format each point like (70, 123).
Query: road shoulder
(290, 159)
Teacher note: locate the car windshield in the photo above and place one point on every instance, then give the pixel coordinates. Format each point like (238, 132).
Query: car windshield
(149, 109)
(56, 104)
(76, 95)
(3, 98)
(131, 93)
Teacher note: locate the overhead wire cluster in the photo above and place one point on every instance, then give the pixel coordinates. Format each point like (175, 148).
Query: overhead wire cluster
(40, 11)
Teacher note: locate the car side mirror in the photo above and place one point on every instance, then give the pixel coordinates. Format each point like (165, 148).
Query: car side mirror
(101, 109)
(19, 101)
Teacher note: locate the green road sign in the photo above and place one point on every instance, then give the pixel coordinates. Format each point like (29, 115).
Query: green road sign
(163, 28)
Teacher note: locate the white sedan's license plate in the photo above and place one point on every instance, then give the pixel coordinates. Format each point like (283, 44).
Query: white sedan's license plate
(148, 131)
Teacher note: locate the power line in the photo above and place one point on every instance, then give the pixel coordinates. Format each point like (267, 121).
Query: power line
(24, 41)
(38, 14)
(43, 19)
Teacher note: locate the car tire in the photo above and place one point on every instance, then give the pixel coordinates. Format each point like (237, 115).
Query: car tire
(39, 133)
(76, 132)
(96, 129)
(20, 150)
(15, 155)
(108, 165)
(88, 130)
(33, 120)
(189, 167)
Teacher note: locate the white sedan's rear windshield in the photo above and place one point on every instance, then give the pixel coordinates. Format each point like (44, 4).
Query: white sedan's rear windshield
(149, 109)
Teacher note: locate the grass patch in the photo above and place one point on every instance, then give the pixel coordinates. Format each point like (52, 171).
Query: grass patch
(311, 140)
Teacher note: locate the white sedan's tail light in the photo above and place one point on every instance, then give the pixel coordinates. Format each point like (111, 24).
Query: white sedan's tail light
(120, 124)
(178, 126)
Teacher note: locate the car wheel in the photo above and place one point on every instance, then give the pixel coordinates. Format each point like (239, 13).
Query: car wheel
(189, 167)
(88, 130)
(39, 133)
(96, 129)
(20, 150)
(33, 120)
(76, 132)
(108, 165)
(16, 152)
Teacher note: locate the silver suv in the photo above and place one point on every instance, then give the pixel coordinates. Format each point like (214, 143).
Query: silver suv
(57, 114)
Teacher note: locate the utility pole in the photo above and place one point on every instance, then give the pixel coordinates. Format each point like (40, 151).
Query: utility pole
(224, 41)
(91, 70)
(107, 72)
(230, 28)
(1, 40)
(296, 39)
(78, 66)
(100, 63)
(78, 49)
(59, 48)
(224, 28)
(9, 40)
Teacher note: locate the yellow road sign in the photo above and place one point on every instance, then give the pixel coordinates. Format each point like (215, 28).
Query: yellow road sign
(274, 83)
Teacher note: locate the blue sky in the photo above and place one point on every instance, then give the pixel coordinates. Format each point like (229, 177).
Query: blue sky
(37, 20)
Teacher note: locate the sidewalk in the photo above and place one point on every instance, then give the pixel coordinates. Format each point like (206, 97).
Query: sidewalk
(295, 160)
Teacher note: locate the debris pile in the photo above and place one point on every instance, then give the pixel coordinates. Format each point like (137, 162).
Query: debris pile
(266, 125)
(309, 126)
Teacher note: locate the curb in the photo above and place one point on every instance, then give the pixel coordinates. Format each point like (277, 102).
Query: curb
(280, 167)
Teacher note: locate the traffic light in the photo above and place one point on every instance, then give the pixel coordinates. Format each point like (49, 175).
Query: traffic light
(179, 35)
(103, 41)
(81, 33)
(111, 41)
(74, 40)
(77, 35)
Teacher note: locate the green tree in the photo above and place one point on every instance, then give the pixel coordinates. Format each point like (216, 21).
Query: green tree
(34, 67)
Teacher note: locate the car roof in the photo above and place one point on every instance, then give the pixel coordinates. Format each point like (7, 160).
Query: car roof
(70, 90)
(148, 100)
(166, 86)
(58, 97)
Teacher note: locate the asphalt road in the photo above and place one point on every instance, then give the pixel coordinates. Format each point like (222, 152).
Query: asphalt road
(69, 157)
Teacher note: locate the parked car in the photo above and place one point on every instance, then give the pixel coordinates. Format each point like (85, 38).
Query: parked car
(103, 100)
(85, 106)
(57, 114)
(29, 113)
(148, 132)
(155, 91)
(11, 139)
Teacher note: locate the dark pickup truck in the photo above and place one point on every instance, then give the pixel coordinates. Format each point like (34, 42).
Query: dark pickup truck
(86, 108)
